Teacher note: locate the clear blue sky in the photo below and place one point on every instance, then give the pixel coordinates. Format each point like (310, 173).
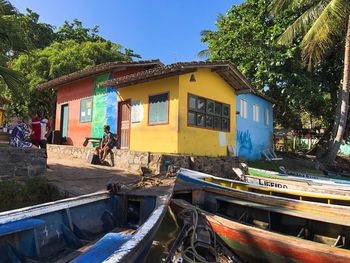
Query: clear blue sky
(164, 29)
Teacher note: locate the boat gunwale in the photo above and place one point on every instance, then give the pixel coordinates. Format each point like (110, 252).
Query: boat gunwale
(49, 207)
(145, 229)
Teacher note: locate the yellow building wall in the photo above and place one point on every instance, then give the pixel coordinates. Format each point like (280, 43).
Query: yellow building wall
(158, 138)
(201, 141)
(1, 117)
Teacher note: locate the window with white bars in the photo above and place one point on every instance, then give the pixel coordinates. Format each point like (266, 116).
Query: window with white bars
(244, 109)
(255, 113)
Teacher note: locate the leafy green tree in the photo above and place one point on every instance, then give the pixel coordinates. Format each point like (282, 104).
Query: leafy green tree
(322, 24)
(247, 36)
(37, 53)
(19, 33)
(10, 41)
(75, 31)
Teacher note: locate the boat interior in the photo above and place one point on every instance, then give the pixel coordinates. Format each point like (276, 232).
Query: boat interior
(77, 232)
(261, 216)
(306, 196)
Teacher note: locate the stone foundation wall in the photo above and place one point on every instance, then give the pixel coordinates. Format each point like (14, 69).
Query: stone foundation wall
(21, 162)
(218, 166)
(129, 160)
(155, 162)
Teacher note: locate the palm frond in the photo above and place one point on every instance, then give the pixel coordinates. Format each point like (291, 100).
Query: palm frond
(322, 34)
(301, 23)
(277, 6)
(12, 78)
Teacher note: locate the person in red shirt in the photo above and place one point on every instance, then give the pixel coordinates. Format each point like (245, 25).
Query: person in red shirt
(41, 129)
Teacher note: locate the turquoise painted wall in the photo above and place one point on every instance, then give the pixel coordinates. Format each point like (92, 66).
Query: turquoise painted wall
(253, 137)
(99, 107)
(105, 104)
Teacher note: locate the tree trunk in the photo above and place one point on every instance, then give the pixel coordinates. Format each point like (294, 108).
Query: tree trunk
(343, 101)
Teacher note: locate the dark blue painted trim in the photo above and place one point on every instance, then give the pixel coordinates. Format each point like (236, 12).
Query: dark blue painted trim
(104, 248)
(20, 225)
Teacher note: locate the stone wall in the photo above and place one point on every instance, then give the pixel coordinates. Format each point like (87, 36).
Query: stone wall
(128, 160)
(21, 162)
(155, 162)
(218, 166)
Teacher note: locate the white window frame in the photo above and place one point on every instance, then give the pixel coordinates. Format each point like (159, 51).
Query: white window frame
(256, 113)
(244, 109)
(267, 116)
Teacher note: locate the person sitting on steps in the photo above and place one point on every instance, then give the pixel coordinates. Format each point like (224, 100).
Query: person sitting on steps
(106, 144)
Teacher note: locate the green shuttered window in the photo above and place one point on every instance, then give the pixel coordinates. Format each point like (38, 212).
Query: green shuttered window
(158, 112)
(86, 110)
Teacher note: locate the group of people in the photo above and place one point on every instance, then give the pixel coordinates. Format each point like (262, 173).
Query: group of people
(33, 133)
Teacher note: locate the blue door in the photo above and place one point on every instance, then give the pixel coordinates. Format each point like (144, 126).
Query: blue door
(64, 120)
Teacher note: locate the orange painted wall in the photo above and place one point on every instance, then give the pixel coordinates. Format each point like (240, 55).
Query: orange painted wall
(71, 94)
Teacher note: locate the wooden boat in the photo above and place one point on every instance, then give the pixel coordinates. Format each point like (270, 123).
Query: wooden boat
(340, 184)
(202, 179)
(98, 227)
(260, 228)
(262, 178)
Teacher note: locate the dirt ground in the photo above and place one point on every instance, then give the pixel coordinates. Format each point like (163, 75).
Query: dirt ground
(74, 176)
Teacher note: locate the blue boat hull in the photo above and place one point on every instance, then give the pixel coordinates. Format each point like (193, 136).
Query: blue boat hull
(91, 228)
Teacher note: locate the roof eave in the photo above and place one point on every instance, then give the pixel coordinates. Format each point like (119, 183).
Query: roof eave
(89, 72)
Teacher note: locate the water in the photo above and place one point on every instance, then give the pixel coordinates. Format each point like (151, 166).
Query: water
(165, 236)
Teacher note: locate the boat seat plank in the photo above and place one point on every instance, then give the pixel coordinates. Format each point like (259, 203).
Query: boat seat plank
(286, 211)
(89, 244)
(20, 225)
(103, 248)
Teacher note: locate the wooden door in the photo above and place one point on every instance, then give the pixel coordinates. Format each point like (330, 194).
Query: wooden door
(124, 122)
(64, 120)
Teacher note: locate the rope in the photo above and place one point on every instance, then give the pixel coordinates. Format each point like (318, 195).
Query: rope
(191, 250)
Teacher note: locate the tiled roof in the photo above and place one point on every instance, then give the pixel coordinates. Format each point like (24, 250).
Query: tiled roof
(224, 68)
(92, 71)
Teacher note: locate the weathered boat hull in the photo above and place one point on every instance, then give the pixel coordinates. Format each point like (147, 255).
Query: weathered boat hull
(263, 244)
(206, 180)
(100, 227)
(256, 245)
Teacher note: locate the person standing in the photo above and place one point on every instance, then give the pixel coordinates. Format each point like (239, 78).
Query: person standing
(41, 129)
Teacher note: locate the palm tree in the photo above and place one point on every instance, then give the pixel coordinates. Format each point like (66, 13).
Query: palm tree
(322, 23)
(9, 37)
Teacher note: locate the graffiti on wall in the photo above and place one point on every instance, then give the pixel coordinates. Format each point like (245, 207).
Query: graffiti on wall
(244, 143)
